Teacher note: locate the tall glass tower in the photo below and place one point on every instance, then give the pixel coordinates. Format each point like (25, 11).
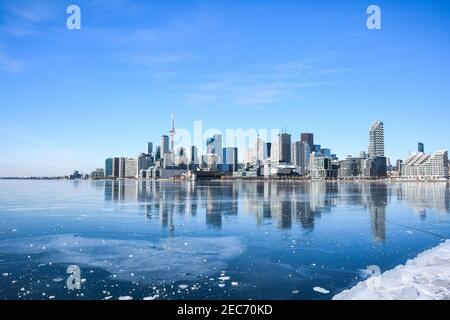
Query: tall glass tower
(376, 139)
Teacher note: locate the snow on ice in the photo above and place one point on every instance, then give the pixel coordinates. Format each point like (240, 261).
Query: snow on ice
(426, 277)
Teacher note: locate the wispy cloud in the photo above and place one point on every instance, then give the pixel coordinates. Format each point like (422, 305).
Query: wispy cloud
(10, 64)
(154, 58)
(271, 85)
(34, 12)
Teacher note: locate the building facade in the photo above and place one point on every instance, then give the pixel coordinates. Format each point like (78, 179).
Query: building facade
(422, 166)
(376, 139)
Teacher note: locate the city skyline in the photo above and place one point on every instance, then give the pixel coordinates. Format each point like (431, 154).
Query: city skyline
(71, 97)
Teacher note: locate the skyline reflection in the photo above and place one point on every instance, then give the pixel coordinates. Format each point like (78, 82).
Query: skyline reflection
(282, 203)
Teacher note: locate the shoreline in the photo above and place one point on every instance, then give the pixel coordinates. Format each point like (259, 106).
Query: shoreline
(240, 179)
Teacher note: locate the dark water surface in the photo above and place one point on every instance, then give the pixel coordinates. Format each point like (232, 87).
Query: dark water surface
(230, 240)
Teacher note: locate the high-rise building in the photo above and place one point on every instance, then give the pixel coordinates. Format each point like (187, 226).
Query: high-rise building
(420, 147)
(281, 149)
(192, 155)
(326, 152)
(149, 148)
(165, 148)
(376, 139)
(230, 157)
(109, 167)
(122, 165)
(399, 166)
(131, 168)
(158, 153)
(309, 139)
(300, 154)
(262, 150)
(143, 162)
(116, 168)
(214, 147)
(317, 148)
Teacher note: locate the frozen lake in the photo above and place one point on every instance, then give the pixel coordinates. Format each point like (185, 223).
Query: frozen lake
(230, 240)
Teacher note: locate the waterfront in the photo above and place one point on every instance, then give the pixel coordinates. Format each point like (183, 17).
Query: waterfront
(210, 240)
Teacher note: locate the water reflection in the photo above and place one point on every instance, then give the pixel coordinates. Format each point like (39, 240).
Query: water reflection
(282, 203)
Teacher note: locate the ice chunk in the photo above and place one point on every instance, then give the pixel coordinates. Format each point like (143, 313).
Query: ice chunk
(321, 290)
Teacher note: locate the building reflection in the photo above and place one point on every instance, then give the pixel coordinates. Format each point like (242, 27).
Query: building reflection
(285, 204)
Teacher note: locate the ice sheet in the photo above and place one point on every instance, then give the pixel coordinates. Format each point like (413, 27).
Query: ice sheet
(426, 277)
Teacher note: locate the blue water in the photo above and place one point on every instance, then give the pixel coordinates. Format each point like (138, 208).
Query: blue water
(230, 240)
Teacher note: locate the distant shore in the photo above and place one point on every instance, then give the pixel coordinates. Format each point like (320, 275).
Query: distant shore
(239, 179)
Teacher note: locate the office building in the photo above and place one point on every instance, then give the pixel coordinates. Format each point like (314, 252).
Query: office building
(157, 153)
(322, 168)
(300, 154)
(230, 158)
(262, 150)
(98, 174)
(362, 168)
(317, 148)
(165, 147)
(420, 147)
(309, 139)
(131, 168)
(281, 149)
(108, 167)
(214, 147)
(116, 168)
(150, 148)
(192, 155)
(122, 166)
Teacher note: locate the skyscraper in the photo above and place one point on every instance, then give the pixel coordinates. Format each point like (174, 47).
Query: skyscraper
(192, 155)
(164, 145)
(281, 149)
(421, 147)
(230, 157)
(309, 139)
(158, 153)
(116, 168)
(149, 148)
(262, 150)
(300, 155)
(109, 167)
(376, 139)
(214, 147)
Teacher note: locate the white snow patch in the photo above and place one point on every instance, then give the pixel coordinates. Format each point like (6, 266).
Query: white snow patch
(125, 298)
(426, 277)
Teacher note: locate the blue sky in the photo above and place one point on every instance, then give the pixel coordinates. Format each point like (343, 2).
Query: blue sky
(69, 99)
